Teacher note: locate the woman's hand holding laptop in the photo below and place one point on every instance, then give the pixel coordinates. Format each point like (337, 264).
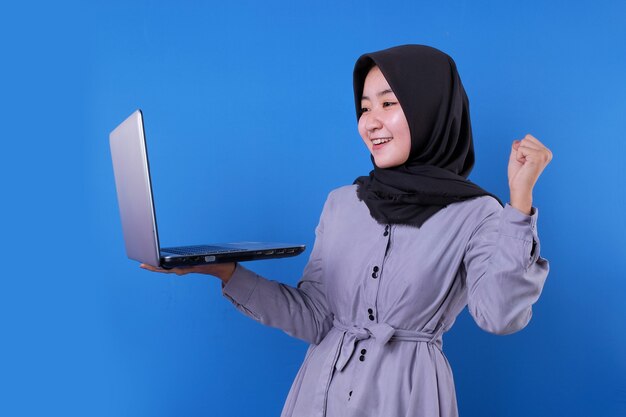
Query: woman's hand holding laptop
(222, 271)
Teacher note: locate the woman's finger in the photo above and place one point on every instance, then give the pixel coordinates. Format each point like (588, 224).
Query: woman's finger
(155, 269)
(539, 156)
(531, 142)
(531, 139)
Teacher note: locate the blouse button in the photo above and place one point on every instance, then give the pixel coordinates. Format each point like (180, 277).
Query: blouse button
(361, 358)
(369, 310)
(363, 351)
(371, 317)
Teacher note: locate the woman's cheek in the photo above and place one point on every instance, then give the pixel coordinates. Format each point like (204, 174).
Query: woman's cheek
(366, 141)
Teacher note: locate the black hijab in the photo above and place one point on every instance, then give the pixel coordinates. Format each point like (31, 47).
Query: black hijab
(429, 90)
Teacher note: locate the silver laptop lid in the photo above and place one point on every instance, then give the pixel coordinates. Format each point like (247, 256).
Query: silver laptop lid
(134, 190)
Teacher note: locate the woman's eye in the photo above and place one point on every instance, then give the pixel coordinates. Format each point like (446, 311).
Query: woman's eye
(364, 109)
(388, 103)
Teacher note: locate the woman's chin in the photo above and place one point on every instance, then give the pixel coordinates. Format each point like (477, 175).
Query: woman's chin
(382, 164)
(385, 161)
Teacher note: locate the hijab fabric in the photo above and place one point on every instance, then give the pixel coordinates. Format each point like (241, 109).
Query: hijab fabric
(429, 90)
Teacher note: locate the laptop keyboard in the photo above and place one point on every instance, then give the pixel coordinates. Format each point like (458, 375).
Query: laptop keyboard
(198, 250)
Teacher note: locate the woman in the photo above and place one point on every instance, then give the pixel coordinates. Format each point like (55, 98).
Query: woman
(401, 252)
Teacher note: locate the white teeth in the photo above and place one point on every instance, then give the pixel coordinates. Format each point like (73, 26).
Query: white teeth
(380, 140)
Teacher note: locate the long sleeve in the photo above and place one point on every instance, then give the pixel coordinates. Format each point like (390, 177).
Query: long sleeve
(504, 272)
(301, 312)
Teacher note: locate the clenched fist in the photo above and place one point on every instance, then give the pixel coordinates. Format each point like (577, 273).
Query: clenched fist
(528, 159)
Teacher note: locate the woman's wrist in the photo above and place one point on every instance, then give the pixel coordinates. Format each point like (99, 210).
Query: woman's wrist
(226, 274)
(523, 203)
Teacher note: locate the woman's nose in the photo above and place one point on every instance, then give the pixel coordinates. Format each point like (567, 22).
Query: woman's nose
(373, 122)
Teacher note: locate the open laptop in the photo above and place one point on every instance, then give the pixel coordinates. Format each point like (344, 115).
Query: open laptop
(134, 195)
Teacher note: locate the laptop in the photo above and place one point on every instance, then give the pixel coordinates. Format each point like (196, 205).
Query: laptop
(139, 225)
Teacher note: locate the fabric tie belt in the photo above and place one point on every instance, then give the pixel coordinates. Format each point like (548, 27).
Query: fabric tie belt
(382, 333)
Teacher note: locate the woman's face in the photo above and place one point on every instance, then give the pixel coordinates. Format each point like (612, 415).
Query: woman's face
(382, 124)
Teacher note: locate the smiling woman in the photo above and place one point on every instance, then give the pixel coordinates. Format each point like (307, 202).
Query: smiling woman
(382, 124)
(401, 252)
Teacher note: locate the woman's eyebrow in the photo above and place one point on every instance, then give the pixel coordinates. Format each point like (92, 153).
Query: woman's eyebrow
(382, 93)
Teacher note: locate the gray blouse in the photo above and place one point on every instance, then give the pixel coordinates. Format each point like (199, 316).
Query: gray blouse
(374, 301)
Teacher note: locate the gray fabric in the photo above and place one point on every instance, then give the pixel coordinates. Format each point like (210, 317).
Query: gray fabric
(375, 336)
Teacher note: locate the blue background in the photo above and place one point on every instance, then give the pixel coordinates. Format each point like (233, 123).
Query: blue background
(250, 123)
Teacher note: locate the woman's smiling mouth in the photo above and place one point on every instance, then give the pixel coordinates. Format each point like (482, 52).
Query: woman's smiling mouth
(379, 142)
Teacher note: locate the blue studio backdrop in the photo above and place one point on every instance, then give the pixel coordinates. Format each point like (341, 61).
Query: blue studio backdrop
(250, 123)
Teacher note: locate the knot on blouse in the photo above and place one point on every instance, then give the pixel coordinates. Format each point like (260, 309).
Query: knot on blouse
(382, 334)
